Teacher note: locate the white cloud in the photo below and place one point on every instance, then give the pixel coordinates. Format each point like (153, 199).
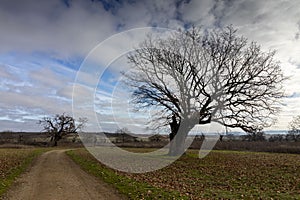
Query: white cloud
(5, 74)
(46, 77)
(51, 25)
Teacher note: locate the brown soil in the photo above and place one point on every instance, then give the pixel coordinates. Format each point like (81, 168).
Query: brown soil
(55, 176)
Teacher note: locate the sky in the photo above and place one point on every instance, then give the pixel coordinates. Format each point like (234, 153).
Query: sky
(44, 46)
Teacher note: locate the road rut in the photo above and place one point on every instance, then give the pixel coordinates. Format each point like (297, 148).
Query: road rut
(54, 176)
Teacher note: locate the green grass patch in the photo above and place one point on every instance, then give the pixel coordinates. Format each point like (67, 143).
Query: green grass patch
(127, 186)
(14, 162)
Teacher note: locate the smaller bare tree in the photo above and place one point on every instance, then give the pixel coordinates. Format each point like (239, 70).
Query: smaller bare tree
(123, 130)
(294, 129)
(60, 126)
(123, 133)
(258, 135)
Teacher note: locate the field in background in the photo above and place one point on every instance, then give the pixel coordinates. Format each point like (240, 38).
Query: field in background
(222, 174)
(13, 162)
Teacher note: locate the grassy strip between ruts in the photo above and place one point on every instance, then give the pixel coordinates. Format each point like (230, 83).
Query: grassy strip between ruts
(23, 159)
(129, 187)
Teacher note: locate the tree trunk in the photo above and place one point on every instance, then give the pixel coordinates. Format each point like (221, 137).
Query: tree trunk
(177, 146)
(178, 137)
(174, 125)
(221, 138)
(57, 137)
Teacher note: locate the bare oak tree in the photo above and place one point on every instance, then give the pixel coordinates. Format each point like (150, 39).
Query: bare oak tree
(198, 77)
(61, 125)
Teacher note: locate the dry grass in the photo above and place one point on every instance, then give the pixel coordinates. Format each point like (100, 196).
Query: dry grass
(12, 158)
(12, 163)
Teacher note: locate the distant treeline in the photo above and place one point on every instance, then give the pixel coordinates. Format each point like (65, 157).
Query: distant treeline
(281, 143)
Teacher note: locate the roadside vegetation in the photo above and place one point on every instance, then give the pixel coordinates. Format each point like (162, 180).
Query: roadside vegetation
(13, 162)
(220, 175)
(133, 189)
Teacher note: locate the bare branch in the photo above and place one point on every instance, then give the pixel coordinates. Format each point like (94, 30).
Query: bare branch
(61, 125)
(202, 77)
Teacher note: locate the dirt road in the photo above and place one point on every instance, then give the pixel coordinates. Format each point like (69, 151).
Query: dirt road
(55, 176)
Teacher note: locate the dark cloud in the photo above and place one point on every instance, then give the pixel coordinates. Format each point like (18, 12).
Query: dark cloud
(51, 26)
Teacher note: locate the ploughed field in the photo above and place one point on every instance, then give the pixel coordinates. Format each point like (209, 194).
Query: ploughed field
(221, 175)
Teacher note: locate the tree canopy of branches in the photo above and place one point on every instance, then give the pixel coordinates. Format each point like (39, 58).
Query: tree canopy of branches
(60, 126)
(294, 129)
(199, 76)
